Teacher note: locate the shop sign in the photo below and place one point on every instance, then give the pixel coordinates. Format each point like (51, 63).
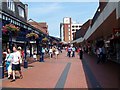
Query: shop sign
(116, 32)
(32, 41)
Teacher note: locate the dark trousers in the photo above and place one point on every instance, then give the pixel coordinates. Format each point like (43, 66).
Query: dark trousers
(42, 57)
(73, 54)
(100, 58)
(69, 53)
(81, 55)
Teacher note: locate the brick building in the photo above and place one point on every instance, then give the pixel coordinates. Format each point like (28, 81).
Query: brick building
(42, 26)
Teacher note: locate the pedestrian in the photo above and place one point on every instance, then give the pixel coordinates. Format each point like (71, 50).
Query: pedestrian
(53, 49)
(8, 63)
(16, 62)
(51, 52)
(42, 54)
(81, 53)
(20, 51)
(73, 51)
(100, 58)
(4, 54)
(56, 53)
(34, 56)
(104, 55)
(69, 51)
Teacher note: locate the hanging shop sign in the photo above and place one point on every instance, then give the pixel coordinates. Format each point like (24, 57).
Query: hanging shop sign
(116, 32)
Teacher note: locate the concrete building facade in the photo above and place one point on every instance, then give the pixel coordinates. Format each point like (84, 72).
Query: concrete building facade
(75, 27)
(105, 30)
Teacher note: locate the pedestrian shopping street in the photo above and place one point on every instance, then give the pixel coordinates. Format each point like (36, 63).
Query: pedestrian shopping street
(52, 45)
(66, 72)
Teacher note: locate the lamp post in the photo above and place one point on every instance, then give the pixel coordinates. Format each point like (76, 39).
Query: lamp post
(40, 48)
(10, 40)
(25, 61)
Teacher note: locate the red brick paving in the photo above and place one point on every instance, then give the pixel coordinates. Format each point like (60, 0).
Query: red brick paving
(76, 77)
(46, 74)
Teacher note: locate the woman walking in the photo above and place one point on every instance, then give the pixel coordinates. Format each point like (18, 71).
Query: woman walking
(56, 53)
(8, 63)
(51, 52)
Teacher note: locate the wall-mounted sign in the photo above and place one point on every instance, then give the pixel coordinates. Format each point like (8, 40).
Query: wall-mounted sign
(116, 32)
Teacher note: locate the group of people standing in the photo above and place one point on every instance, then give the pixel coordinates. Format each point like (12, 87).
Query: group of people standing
(72, 50)
(53, 51)
(13, 62)
(101, 54)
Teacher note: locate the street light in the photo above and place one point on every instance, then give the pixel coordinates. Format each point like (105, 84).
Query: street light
(25, 61)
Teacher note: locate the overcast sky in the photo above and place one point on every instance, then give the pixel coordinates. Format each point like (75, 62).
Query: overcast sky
(54, 12)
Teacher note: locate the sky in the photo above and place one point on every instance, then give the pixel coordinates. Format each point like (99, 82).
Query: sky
(54, 12)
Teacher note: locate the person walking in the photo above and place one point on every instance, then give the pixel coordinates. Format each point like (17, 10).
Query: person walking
(73, 51)
(51, 52)
(42, 56)
(8, 63)
(34, 55)
(100, 58)
(56, 53)
(16, 62)
(80, 52)
(104, 55)
(69, 51)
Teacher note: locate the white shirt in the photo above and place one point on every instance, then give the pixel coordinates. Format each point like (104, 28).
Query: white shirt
(16, 57)
(56, 51)
(50, 51)
(97, 51)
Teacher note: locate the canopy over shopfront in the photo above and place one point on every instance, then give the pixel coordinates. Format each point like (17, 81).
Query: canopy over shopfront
(79, 40)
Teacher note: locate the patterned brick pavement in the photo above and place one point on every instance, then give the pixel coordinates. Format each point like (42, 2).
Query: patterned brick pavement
(66, 72)
(47, 74)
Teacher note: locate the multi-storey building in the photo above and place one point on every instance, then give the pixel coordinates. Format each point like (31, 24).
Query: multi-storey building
(69, 29)
(67, 32)
(75, 27)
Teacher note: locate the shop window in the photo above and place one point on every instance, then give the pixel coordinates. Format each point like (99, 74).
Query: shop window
(3, 17)
(21, 11)
(76, 26)
(11, 5)
(73, 29)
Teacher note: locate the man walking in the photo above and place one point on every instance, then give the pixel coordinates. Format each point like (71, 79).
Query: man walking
(16, 62)
(73, 51)
(69, 51)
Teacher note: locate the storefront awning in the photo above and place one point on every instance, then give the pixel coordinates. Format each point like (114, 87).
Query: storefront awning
(79, 40)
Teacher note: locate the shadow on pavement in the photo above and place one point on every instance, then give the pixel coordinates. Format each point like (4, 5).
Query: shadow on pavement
(101, 75)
